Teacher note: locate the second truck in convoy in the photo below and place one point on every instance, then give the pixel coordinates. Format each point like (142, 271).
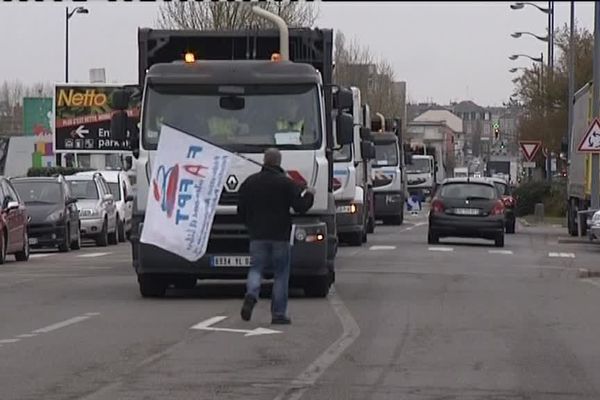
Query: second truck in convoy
(231, 88)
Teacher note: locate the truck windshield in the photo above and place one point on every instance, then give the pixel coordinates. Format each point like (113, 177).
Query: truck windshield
(386, 154)
(343, 154)
(252, 119)
(419, 166)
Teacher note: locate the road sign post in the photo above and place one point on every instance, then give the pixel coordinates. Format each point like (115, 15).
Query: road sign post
(596, 106)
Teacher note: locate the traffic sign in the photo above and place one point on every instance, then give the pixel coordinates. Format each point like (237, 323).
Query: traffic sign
(591, 140)
(530, 148)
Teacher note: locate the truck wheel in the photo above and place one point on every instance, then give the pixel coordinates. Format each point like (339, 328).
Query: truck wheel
(152, 286)
(364, 236)
(371, 225)
(317, 287)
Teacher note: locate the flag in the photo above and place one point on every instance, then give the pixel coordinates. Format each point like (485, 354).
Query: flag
(187, 178)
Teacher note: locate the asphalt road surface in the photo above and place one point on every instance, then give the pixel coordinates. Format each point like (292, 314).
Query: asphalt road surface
(459, 320)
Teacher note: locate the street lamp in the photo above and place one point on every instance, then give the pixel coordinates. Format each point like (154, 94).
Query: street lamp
(519, 34)
(550, 39)
(536, 59)
(513, 70)
(519, 5)
(68, 16)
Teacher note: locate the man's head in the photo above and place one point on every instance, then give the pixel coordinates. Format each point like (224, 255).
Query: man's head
(272, 157)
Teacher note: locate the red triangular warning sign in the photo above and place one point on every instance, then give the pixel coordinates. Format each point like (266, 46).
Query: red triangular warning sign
(590, 143)
(530, 148)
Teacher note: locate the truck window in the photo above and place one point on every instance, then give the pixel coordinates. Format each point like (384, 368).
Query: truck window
(256, 117)
(386, 154)
(419, 166)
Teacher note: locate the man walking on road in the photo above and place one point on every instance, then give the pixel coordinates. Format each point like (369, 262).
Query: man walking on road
(264, 205)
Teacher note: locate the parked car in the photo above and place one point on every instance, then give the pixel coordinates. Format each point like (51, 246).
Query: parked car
(54, 218)
(510, 203)
(97, 208)
(467, 207)
(13, 223)
(121, 189)
(594, 226)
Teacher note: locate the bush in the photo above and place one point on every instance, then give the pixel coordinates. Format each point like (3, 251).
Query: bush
(555, 202)
(50, 171)
(552, 196)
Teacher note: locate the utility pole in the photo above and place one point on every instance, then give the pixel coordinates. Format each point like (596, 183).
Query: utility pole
(596, 106)
(571, 81)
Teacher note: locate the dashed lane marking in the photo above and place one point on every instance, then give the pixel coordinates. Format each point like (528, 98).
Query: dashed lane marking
(5, 341)
(561, 255)
(40, 255)
(507, 252)
(382, 247)
(441, 249)
(91, 255)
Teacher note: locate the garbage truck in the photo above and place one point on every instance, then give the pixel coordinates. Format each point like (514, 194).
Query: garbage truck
(185, 75)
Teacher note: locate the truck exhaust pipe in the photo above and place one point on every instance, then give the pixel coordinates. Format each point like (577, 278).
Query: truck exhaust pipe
(382, 118)
(284, 42)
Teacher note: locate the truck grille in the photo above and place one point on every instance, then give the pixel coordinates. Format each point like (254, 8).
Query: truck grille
(229, 199)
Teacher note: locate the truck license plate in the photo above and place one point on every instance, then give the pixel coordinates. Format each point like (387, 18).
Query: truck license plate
(466, 211)
(344, 209)
(231, 261)
(33, 241)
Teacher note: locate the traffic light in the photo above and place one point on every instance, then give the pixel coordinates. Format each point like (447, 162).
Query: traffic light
(496, 133)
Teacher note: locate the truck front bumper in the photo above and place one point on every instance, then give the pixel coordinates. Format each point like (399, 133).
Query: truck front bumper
(228, 257)
(349, 217)
(388, 204)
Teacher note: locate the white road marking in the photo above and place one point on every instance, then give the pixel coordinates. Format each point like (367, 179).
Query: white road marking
(441, 249)
(40, 255)
(561, 255)
(5, 341)
(509, 252)
(351, 331)
(27, 335)
(591, 282)
(64, 323)
(382, 248)
(206, 325)
(90, 255)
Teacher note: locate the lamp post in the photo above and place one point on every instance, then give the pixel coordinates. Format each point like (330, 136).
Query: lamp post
(539, 59)
(68, 16)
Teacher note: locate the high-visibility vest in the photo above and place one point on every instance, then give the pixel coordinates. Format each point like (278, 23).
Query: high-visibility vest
(283, 125)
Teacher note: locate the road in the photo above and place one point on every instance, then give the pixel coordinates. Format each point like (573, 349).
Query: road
(459, 320)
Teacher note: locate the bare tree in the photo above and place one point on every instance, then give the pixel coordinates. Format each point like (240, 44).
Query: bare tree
(232, 15)
(11, 103)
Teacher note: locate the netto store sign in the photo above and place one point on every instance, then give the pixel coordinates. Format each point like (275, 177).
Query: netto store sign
(82, 115)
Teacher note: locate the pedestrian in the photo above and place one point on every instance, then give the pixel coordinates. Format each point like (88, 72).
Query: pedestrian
(264, 205)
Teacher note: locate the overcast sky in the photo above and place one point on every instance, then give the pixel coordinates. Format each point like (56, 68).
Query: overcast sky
(444, 51)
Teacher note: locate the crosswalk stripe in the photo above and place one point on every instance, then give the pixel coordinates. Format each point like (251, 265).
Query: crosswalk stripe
(508, 252)
(382, 247)
(561, 255)
(441, 249)
(90, 255)
(39, 255)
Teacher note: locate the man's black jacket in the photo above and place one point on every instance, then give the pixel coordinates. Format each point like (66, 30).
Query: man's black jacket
(265, 201)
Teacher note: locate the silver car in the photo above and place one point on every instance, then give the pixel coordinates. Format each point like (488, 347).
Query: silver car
(594, 226)
(97, 208)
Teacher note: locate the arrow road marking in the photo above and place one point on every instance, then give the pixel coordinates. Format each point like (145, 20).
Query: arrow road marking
(206, 325)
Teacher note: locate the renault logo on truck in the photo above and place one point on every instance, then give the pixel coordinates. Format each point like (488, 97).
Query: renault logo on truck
(231, 182)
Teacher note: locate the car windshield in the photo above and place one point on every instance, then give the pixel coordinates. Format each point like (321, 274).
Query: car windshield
(468, 191)
(36, 191)
(241, 118)
(419, 166)
(502, 188)
(84, 189)
(343, 154)
(114, 190)
(386, 154)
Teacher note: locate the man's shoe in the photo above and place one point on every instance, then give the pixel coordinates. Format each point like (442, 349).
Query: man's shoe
(247, 307)
(281, 321)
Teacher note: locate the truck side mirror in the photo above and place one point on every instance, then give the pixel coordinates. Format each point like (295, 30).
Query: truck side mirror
(344, 129)
(118, 124)
(365, 133)
(120, 99)
(342, 99)
(367, 149)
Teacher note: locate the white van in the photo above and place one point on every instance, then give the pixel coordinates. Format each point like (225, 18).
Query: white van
(123, 194)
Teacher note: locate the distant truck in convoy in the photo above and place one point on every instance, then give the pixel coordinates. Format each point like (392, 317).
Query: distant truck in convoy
(185, 77)
(579, 180)
(421, 175)
(352, 181)
(461, 172)
(389, 183)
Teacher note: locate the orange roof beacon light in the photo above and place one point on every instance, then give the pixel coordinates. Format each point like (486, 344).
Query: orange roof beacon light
(275, 57)
(189, 57)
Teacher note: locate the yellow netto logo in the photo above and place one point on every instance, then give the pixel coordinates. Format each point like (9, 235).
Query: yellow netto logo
(87, 98)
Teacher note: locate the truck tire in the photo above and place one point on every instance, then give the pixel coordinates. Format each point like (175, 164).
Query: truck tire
(152, 286)
(355, 238)
(317, 286)
(371, 224)
(572, 218)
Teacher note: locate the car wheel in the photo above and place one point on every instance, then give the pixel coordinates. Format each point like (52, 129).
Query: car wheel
(23, 255)
(432, 238)
(371, 225)
(65, 246)
(121, 231)
(76, 244)
(152, 286)
(510, 226)
(102, 239)
(499, 241)
(3, 248)
(113, 238)
(317, 287)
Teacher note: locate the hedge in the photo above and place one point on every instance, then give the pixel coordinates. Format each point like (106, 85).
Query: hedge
(51, 171)
(552, 196)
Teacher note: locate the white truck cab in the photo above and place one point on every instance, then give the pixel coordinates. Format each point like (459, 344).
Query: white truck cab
(421, 174)
(387, 179)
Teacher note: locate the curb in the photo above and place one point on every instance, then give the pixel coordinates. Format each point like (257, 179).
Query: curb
(586, 273)
(524, 223)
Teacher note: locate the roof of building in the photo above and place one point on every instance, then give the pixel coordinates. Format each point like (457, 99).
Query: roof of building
(452, 121)
(467, 106)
